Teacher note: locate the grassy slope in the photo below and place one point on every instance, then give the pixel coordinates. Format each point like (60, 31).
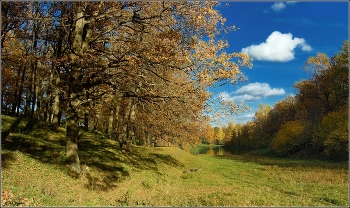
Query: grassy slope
(33, 170)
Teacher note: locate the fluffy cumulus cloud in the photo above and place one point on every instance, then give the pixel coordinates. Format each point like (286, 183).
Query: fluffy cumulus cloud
(259, 89)
(252, 92)
(278, 47)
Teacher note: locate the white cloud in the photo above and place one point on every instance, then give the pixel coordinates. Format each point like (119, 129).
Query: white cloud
(252, 92)
(259, 89)
(306, 47)
(278, 47)
(246, 98)
(278, 6)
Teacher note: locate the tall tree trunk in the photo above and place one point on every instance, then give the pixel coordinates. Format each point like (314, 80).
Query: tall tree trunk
(34, 77)
(4, 19)
(49, 103)
(56, 100)
(80, 46)
(56, 79)
(111, 121)
(123, 124)
(114, 115)
(86, 119)
(95, 123)
(28, 101)
(46, 111)
(131, 126)
(72, 157)
(38, 95)
(86, 112)
(19, 98)
(117, 121)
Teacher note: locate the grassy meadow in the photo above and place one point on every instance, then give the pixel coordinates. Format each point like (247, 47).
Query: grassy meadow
(34, 174)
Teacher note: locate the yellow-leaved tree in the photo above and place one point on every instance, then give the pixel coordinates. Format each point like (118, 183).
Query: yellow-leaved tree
(290, 138)
(332, 137)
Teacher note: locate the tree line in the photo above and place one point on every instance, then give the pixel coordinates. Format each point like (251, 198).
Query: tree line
(313, 123)
(138, 71)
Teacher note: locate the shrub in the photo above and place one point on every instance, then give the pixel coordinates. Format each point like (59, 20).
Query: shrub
(332, 135)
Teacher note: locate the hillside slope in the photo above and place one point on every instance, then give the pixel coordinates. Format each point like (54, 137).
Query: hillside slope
(33, 156)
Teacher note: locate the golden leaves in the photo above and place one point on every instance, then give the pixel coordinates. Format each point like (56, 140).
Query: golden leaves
(169, 50)
(317, 64)
(9, 199)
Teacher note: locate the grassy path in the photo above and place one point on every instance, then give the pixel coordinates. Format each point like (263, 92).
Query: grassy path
(33, 173)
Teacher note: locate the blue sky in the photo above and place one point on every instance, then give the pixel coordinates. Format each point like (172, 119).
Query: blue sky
(280, 37)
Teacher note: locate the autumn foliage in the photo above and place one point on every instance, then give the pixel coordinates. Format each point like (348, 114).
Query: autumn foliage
(332, 136)
(138, 71)
(290, 138)
(314, 122)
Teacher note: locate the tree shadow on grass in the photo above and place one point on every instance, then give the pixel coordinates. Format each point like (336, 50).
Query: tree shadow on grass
(6, 159)
(105, 156)
(13, 128)
(39, 142)
(167, 159)
(107, 178)
(38, 149)
(46, 144)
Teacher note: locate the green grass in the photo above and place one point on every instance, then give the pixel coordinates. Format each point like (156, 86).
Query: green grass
(33, 171)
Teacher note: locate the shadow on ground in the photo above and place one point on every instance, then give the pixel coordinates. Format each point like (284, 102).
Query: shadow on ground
(111, 166)
(7, 158)
(114, 164)
(40, 141)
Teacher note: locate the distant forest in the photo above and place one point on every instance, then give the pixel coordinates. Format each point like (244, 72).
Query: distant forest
(313, 123)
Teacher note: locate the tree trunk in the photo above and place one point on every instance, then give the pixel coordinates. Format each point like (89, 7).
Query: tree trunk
(116, 121)
(19, 98)
(46, 111)
(28, 101)
(110, 130)
(72, 157)
(34, 87)
(86, 120)
(75, 88)
(114, 115)
(56, 80)
(86, 112)
(126, 128)
(95, 123)
(39, 107)
(56, 106)
(132, 118)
